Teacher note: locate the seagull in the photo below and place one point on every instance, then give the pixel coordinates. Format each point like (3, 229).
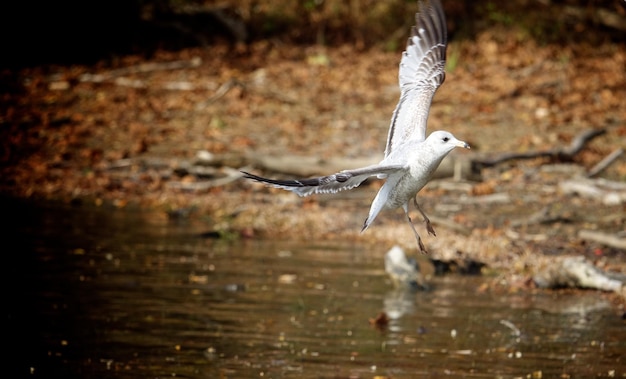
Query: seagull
(410, 157)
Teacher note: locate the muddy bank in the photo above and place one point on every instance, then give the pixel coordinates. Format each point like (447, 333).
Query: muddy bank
(129, 136)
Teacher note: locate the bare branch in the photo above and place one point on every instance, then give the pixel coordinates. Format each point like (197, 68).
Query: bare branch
(563, 154)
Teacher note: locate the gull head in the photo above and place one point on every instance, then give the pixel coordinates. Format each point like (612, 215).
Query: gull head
(445, 142)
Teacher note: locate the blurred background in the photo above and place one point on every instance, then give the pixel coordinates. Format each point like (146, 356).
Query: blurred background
(36, 32)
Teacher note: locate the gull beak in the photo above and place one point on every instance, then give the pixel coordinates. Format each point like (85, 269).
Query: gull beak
(462, 144)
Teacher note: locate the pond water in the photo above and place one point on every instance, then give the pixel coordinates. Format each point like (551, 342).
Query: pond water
(109, 293)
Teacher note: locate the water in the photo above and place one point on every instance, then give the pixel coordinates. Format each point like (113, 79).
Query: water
(109, 293)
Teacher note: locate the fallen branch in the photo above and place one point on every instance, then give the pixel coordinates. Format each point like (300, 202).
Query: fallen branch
(576, 272)
(606, 191)
(604, 163)
(610, 240)
(562, 154)
(140, 68)
(493, 198)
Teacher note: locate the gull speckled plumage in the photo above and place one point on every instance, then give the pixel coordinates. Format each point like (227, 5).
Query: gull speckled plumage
(410, 157)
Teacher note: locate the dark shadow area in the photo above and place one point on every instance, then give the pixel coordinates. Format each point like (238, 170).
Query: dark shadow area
(75, 32)
(64, 32)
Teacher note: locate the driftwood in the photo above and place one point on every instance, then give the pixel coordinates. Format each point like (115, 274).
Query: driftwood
(606, 191)
(563, 154)
(120, 77)
(137, 83)
(493, 198)
(140, 68)
(204, 176)
(575, 272)
(611, 240)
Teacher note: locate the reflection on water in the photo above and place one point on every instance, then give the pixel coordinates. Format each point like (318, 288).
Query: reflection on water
(121, 294)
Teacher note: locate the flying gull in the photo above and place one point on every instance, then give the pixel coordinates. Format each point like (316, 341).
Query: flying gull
(410, 157)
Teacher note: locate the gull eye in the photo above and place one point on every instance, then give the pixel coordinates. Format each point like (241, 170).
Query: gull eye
(446, 139)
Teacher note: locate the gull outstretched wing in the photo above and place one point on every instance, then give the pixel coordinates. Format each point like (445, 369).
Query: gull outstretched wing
(421, 73)
(343, 180)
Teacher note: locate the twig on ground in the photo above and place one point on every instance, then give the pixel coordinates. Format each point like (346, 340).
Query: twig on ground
(221, 91)
(604, 163)
(574, 272)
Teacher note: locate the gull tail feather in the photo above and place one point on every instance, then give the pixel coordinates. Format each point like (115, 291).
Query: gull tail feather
(379, 203)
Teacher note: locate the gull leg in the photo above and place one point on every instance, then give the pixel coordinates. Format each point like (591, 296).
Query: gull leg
(417, 236)
(429, 227)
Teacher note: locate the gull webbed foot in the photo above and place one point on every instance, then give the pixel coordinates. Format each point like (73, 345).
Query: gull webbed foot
(422, 247)
(429, 228)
